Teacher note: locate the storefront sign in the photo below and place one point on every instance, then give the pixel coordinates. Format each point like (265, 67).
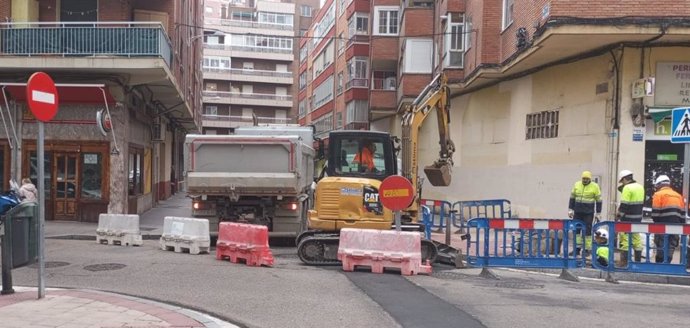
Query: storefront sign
(672, 84)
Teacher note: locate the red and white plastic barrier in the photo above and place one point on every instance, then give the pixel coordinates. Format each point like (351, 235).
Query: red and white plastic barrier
(659, 228)
(241, 241)
(526, 224)
(381, 249)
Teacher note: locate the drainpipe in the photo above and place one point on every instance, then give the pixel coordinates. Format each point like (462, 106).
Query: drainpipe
(614, 135)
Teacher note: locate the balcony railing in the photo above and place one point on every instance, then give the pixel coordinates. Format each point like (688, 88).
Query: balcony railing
(127, 39)
(250, 24)
(248, 119)
(252, 72)
(248, 48)
(357, 83)
(227, 94)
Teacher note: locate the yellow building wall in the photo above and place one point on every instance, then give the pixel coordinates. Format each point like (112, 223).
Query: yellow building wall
(25, 10)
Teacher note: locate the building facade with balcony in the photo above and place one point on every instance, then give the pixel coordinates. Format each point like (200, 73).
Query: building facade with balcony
(551, 88)
(134, 60)
(382, 58)
(541, 90)
(249, 60)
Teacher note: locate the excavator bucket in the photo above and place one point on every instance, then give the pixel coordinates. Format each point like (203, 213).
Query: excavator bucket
(438, 175)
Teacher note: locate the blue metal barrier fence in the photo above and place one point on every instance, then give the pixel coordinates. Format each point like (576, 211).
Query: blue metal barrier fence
(520, 243)
(488, 208)
(655, 257)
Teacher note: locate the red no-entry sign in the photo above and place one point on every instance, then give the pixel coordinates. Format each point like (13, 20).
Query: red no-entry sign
(396, 193)
(42, 96)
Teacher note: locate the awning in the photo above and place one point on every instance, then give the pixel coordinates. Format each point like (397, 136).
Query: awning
(658, 114)
(67, 93)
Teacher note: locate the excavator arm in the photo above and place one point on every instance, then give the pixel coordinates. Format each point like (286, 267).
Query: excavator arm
(434, 96)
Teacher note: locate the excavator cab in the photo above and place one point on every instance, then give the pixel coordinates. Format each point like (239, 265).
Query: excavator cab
(361, 154)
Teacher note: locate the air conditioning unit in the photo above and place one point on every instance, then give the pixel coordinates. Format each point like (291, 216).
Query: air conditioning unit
(157, 131)
(389, 83)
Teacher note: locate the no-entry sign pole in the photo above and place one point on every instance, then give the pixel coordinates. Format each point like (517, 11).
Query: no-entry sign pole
(42, 99)
(396, 195)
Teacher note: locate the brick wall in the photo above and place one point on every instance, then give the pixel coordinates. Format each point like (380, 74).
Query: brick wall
(5, 9)
(114, 11)
(47, 11)
(619, 8)
(417, 21)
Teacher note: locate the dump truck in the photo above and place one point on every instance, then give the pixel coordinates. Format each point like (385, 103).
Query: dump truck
(259, 175)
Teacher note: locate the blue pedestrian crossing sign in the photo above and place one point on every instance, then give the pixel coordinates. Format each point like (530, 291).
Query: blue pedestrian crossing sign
(681, 125)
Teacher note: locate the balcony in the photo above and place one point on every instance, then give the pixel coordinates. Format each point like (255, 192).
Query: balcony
(111, 39)
(247, 75)
(258, 52)
(238, 98)
(357, 83)
(225, 121)
(383, 98)
(248, 24)
(139, 53)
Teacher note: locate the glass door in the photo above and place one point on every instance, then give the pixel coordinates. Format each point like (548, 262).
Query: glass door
(65, 185)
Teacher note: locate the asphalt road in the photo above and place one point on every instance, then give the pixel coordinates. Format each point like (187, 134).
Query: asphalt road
(293, 295)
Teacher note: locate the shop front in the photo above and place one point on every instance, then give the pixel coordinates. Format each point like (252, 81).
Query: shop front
(76, 176)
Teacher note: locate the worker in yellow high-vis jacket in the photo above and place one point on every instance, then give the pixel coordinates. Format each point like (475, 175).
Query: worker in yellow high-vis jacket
(630, 210)
(585, 205)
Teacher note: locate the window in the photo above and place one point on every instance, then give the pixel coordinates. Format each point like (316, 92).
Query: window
(248, 65)
(209, 10)
(417, 56)
(507, 13)
(341, 43)
(386, 20)
(339, 120)
(542, 125)
(241, 15)
(358, 68)
(323, 93)
(339, 88)
(454, 44)
(468, 32)
(211, 86)
(303, 52)
(302, 108)
(322, 27)
(302, 80)
(324, 123)
(278, 19)
(216, 62)
(357, 111)
(359, 24)
(91, 175)
(305, 11)
(211, 110)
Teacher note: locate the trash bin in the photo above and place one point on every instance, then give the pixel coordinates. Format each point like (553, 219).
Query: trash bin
(21, 227)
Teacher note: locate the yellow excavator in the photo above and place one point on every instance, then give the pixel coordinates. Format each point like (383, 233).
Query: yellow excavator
(347, 192)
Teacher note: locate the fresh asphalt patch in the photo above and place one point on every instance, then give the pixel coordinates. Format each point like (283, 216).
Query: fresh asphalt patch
(409, 304)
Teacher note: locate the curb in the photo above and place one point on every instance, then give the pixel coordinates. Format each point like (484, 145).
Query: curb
(93, 237)
(621, 276)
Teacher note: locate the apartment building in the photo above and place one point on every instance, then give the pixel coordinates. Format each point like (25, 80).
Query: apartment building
(134, 60)
(363, 61)
(542, 90)
(248, 65)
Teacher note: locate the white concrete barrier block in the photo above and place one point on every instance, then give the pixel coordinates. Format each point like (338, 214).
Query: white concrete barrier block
(185, 235)
(122, 229)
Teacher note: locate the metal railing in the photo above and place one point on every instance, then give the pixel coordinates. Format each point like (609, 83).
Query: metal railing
(247, 48)
(128, 39)
(248, 119)
(357, 83)
(252, 72)
(250, 24)
(228, 94)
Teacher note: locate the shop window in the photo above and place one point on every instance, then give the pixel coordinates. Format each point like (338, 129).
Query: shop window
(135, 176)
(92, 175)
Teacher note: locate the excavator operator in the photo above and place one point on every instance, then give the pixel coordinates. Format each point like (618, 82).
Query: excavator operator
(365, 157)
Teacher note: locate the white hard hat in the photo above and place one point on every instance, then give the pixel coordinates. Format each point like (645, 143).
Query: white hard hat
(662, 179)
(624, 174)
(602, 233)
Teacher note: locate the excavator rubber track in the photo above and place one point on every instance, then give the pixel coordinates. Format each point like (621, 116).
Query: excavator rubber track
(319, 250)
(322, 249)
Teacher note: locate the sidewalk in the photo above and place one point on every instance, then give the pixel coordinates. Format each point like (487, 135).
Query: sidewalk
(73, 308)
(150, 222)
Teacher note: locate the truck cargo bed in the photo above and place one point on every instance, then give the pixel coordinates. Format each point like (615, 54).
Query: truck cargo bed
(243, 183)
